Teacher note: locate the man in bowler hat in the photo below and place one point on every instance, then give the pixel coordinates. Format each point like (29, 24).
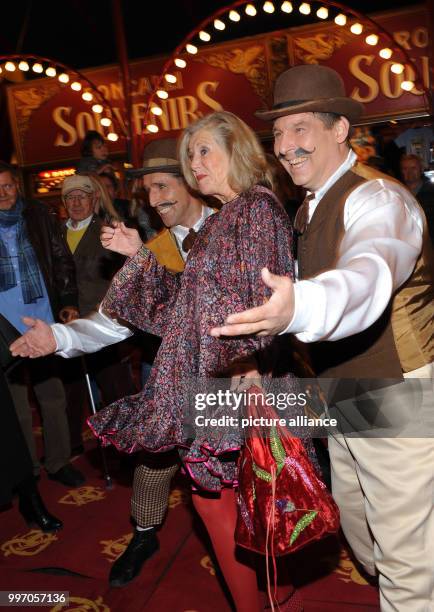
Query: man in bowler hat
(364, 302)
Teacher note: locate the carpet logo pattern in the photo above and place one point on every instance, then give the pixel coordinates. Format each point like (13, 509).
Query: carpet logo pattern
(207, 564)
(114, 548)
(347, 571)
(28, 544)
(80, 604)
(177, 496)
(83, 496)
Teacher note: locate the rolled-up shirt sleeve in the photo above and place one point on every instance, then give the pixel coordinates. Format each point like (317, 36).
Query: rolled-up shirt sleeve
(88, 335)
(383, 239)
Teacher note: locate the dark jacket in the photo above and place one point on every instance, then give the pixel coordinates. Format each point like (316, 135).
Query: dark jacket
(15, 462)
(53, 255)
(95, 267)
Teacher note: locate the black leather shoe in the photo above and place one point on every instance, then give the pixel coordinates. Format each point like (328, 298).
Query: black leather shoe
(142, 546)
(35, 513)
(68, 476)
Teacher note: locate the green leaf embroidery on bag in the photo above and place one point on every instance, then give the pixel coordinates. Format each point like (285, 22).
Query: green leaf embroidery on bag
(277, 448)
(302, 524)
(260, 473)
(253, 490)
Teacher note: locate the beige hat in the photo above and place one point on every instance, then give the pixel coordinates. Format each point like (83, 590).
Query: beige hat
(76, 181)
(311, 88)
(159, 156)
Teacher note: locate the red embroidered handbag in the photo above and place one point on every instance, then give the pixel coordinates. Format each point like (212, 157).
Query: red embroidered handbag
(282, 503)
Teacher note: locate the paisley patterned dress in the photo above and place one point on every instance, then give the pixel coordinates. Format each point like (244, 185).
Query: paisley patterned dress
(222, 276)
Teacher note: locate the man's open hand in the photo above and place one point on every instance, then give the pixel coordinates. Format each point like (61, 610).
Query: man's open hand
(38, 341)
(269, 319)
(120, 239)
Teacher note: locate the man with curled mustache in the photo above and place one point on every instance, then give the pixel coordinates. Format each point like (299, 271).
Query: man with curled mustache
(364, 302)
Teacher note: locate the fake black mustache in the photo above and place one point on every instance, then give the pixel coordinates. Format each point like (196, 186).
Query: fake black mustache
(167, 203)
(300, 152)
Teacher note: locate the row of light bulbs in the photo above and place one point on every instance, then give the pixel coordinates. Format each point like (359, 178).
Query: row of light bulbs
(63, 78)
(268, 7)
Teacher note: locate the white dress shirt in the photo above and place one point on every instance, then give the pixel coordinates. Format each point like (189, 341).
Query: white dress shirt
(382, 241)
(76, 226)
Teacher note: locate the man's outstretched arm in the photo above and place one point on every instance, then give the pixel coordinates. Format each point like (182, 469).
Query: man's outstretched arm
(81, 336)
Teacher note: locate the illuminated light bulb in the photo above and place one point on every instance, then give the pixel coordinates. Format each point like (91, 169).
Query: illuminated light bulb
(1, 69)
(24, 66)
(250, 10)
(170, 78)
(112, 136)
(356, 28)
(268, 7)
(234, 16)
(76, 86)
(10, 67)
(152, 128)
(87, 96)
(156, 110)
(51, 72)
(63, 77)
(340, 19)
(180, 63)
(322, 13)
(192, 49)
(286, 7)
(97, 108)
(385, 53)
(372, 40)
(304, 8)
(397, 68)
(407, 85)
(37, 68)
(204, 36)
(105, 121)
(219, 25)
(162, 94)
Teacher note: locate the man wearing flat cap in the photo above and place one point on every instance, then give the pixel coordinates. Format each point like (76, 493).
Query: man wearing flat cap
(183, 214)
(94, 270)
(364, 302)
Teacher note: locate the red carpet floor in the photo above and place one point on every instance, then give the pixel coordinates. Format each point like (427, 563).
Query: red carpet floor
(179, 578)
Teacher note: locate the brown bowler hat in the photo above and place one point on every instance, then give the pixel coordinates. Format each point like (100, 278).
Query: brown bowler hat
(311, 88)
(158, 156)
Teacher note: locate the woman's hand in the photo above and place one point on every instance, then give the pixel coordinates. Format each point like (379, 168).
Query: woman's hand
(120, 239)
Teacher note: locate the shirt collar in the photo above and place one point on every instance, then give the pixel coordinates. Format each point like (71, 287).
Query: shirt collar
(179, 232)
(349, 162)
(79, 225)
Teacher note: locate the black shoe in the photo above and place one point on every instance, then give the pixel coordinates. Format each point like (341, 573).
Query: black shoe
(68, 476)
(35, 513)
(142, 546)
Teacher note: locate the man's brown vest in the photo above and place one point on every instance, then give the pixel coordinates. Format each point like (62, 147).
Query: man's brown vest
(403, 337)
